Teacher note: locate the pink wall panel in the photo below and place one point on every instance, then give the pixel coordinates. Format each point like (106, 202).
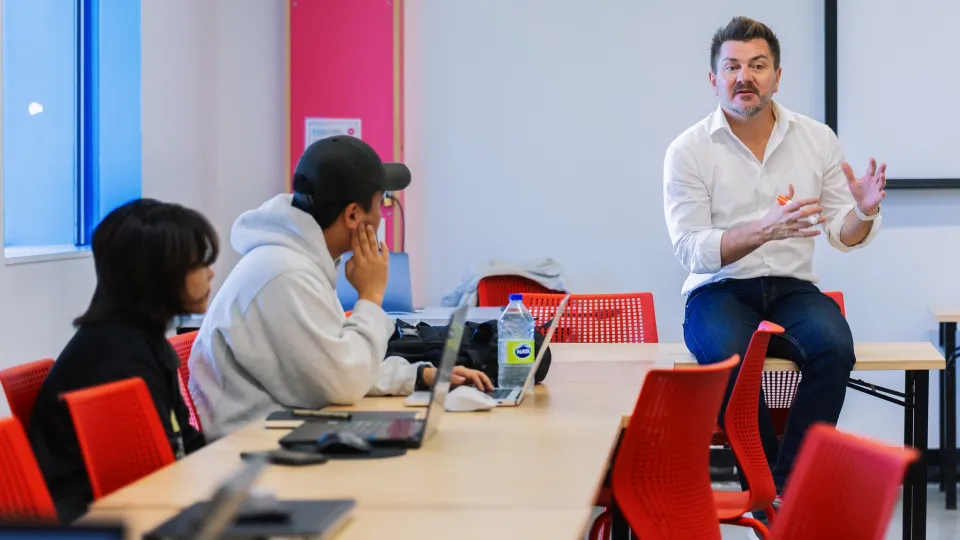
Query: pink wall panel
(342, 65)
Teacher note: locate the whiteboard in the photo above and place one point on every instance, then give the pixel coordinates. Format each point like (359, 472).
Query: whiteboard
(898, 95)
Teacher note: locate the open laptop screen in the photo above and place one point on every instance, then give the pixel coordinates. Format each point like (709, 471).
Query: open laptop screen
(441, 383)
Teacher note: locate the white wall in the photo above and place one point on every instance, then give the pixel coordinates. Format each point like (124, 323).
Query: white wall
(869, 117)
(37, 302)
(213, 107)
(212, 120)
(551, 121)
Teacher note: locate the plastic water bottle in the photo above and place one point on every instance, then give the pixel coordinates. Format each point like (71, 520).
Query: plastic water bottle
(515, 344)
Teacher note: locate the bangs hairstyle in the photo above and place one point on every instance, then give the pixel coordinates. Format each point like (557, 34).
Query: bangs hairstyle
(142, 252)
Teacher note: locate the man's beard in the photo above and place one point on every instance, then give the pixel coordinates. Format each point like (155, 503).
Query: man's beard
(751, 110)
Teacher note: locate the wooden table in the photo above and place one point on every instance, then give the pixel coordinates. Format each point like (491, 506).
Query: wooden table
(400, 523)
(515, 472)
(484, 471)
(947, 320)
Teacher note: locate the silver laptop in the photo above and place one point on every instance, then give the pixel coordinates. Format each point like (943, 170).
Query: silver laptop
(391, 431)
(506, 397)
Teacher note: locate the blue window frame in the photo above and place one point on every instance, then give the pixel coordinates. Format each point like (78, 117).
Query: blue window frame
(71, 117)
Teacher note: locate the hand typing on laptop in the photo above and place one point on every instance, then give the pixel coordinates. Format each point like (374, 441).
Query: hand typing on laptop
(461, 375)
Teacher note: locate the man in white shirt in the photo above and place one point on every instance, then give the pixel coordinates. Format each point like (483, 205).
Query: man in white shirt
(750, 258)
(276, 335)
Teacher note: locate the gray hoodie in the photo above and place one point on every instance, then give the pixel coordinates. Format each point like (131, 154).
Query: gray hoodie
(276, 335)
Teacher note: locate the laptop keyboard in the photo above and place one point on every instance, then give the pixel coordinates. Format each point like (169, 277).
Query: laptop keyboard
(499, 393)
(380, 429)
(365, 428)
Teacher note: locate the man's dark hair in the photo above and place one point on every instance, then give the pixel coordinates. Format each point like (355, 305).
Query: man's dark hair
(326, 207)
(744, 29)
(142, 252)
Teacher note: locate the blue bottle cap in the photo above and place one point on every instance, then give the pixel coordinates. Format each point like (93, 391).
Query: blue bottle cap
(516, 297)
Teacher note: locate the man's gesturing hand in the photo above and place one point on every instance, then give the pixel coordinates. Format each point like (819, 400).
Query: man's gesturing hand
(869, 190)
(792, 219)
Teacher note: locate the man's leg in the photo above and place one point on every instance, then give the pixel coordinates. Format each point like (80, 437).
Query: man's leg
(818, 339)
(720, 320)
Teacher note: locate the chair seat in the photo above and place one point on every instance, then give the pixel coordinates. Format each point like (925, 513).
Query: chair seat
(732, 504)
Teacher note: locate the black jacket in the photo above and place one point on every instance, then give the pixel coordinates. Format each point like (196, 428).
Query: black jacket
(100, 353)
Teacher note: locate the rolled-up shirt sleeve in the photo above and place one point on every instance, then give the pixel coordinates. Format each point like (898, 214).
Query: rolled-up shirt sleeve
(836, 200)
(686, 205)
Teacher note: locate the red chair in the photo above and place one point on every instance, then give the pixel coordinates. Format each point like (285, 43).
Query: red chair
(21, 384)
(842, 486)
(183, 345)
(121, 437)
(23, 493)
(780, 387)
(661, 475)
(743, 434)
(598, 318)
(494, 291)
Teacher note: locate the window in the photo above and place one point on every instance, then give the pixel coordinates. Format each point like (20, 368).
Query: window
(71, 118)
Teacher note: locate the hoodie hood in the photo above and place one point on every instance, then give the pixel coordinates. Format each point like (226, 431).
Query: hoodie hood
(278, 223)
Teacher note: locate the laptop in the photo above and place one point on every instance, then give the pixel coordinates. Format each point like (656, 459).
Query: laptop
(230, 513)
(508, 397)
(403, 432)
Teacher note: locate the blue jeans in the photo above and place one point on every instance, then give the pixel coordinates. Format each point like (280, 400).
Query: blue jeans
(720, 320)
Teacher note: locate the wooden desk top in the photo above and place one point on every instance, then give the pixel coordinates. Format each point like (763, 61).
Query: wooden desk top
(944, 315)
(880, 356)
(406, 523)
(574, 419)
(558, 443)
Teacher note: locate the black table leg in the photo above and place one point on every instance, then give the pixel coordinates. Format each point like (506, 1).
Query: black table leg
(909, 388)
(948, 444)
(943, 423)
(619, 529)
(921, 404)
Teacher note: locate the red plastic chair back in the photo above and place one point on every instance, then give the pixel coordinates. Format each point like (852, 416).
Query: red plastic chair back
(23, 493)
(183, 345)
(661, 476)
(21, 384)
(741, 424)
(598, 318)
(495, 291)
(842, 486)
(120, 435)
(780, 387)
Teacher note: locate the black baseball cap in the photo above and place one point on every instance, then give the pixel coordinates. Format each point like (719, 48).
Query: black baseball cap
(340, 168)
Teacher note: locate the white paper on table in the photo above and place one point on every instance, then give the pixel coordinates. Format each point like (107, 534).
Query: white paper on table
(321, 128)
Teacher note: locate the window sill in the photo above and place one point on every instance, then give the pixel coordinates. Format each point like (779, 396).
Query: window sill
(34, 254)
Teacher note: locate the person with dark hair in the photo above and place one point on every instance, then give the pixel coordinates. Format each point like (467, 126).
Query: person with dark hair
(746, 190)
(276, 334)
(152, 261)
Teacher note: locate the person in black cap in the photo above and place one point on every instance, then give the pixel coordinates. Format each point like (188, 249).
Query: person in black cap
(276, 335)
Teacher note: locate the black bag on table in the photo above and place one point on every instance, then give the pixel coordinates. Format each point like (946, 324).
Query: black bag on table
(478, 350)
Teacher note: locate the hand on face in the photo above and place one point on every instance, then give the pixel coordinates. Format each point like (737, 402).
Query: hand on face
(869, 190)
(368, 268)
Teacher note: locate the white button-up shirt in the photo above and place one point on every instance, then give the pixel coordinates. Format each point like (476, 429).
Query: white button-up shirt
(713, 182)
